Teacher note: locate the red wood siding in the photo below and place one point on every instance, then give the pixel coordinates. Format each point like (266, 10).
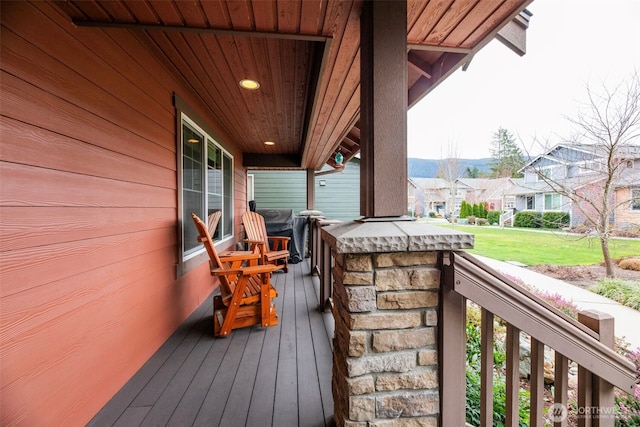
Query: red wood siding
(88, 214)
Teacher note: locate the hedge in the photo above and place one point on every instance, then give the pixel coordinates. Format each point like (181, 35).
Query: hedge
(528, 219)
(493, 217)
(555, 220)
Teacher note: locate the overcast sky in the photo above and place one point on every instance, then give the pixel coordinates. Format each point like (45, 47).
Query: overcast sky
(570, 43)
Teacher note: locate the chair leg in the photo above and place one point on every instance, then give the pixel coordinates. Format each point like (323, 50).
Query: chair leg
(265, 300)
(234, 305)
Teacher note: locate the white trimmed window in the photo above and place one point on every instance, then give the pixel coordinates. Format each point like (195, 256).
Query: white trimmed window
(207, 185)
(635, 199)
(552, 202)
(531, 203)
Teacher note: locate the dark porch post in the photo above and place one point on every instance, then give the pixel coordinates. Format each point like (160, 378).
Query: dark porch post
(383, 108)
(311, 189)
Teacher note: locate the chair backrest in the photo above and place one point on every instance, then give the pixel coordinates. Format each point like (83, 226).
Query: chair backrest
(212, 222)
(255, 227)
(204, 236)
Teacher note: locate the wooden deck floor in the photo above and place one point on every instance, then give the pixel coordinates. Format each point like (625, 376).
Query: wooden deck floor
(278, 376)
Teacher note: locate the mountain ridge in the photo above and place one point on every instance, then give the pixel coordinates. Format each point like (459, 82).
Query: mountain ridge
(428, 168)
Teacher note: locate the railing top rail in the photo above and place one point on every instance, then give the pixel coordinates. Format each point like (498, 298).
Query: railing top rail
(529, 313)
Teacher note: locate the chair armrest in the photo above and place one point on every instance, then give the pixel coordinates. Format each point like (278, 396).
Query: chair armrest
(238, 256)
(253, 242)
(245, 271)
(279, 238)
(278, 242)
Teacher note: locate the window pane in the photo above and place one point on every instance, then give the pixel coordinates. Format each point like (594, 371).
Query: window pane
(192, 191)
(552, 202)
(214, 183)
(635, 199)
(227, 214)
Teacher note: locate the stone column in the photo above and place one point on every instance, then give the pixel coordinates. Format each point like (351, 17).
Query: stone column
(385, 295)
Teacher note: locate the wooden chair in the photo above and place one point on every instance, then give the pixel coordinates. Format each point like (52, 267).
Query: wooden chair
(275, 253)
(246, 292)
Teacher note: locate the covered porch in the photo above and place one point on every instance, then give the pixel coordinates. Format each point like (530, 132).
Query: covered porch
(278, 376)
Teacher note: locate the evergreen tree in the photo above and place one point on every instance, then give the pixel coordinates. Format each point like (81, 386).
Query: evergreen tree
(473, 172)
(507, 157)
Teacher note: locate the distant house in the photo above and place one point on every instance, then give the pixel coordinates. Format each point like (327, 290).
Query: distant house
(432, 195)
(627, 196)
(578, 167)
(492, 191)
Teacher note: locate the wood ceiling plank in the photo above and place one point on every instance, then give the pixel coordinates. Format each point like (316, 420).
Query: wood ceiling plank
(428, 20)
(490, 26)
(289, 16)
(192, 14)
(143, 12)
(241, 14)
(460, 36)
(343, 25)
(415, 8)
(117, 11)
(167, 12)
(312, 16)
(217, 14)
(93, 10)
(454, 15)
(219, 80)
(265, 14)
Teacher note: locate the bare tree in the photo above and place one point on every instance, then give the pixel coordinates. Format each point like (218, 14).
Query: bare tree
(589, 166)
(450, 169)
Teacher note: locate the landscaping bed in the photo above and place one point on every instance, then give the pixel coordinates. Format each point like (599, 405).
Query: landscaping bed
(583, 276)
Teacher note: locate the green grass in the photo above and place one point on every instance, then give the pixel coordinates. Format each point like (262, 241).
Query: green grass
(536, 248)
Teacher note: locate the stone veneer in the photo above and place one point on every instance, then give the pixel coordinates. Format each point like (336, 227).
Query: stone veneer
(385, 295)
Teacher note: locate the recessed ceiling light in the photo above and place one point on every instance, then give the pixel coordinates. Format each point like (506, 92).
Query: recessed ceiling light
(249, 84)
(193, 140)
(269, 143)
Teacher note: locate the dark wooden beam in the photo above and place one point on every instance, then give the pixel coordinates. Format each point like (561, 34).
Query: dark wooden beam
(261, 160)
(199, 30)
(383, 108)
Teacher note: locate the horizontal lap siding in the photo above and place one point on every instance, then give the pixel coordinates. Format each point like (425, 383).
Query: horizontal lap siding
(88, 210)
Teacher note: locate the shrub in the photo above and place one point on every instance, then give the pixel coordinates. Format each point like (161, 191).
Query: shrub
(630, 264)
(627, 406)
(624, 292)
(493, 217)
(555, 219)
(471, 219)
(465, 209)
(481, 221)
(528, 219)
(432, 214)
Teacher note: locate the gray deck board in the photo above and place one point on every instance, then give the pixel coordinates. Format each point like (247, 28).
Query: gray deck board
(278, 376)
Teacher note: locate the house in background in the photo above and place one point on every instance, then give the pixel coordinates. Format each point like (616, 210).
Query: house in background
(433, 195)
(579, 167)
(627, 199)
(337, 191)
(494, 192)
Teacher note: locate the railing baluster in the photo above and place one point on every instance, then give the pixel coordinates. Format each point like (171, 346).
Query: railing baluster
(512, 375)
(486, 369)
(561, 387)
(537, 383)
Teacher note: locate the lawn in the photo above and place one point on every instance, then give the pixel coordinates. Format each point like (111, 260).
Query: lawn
(534, 247)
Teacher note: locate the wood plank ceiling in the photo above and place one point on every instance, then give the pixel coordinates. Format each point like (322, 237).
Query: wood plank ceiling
(304, 54)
